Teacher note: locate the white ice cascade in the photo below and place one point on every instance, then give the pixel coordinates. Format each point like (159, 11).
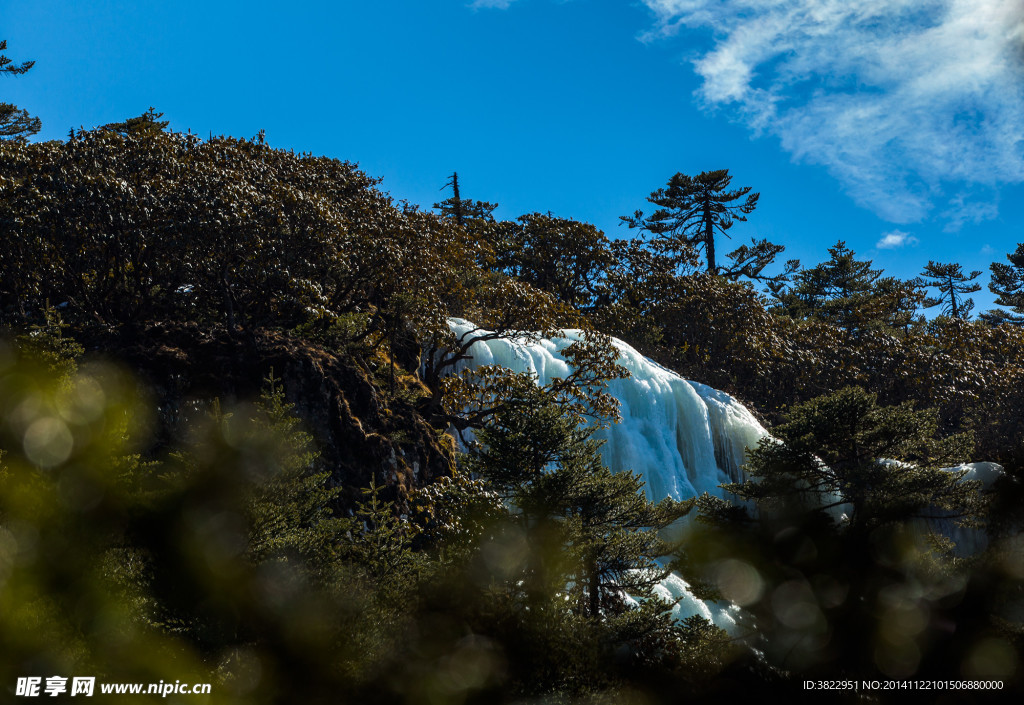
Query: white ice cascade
(682, 438)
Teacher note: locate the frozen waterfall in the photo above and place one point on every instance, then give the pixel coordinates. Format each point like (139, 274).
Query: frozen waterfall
(682, 438)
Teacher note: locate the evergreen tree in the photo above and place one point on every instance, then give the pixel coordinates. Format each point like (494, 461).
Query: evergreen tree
(832, 288)
(257, 466)
(8, 66)
(549, 468)
(560, 255)
(952, 284)
(583, 590)
(838, 451)
(841, 495)
(613, 529)
(15, 123)
(1008, 286)
(997, 317)
(694, 210)
(147, 124)
(463, 210)
(380, 543)
(849, 293)
(289, 509)
(47, 344)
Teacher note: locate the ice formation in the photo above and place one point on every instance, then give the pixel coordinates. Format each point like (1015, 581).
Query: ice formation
(682, 438)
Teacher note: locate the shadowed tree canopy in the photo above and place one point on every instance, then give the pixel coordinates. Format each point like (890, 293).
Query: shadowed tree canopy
(837, 451)
(694, 210)
(15, 123)
(563, 256)
(547, 465)
(842, 494)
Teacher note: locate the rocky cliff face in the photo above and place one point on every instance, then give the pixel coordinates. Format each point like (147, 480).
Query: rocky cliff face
(361, 413)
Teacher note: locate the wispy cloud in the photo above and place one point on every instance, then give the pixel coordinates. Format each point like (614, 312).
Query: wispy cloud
(492, 4)
(895, 239)
(901, 100)
(963, 209)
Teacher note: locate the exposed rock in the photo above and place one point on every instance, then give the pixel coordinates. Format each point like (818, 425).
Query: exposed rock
(365, 423)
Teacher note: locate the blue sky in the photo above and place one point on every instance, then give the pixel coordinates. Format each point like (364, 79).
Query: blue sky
(895, 125)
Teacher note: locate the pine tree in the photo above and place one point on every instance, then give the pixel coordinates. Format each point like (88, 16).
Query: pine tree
(694, 210)
(290, 509)
(549, 468)
(849, 293)
(380, 543)
(147, 124)
(952, 284)
(580, 585)
(15, 123)
(841, 494)
(463, 210)
(837, 451)
(997, 317)
(1008, 286)
(614, 529)
(47, 344)
(831, 288)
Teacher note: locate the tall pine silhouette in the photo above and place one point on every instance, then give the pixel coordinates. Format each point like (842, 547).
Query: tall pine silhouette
(15, 123)
(1008, 286)
(693, 211)
(952, 284)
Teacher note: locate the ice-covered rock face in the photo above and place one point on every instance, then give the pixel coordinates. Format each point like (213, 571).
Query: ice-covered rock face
(683, 438)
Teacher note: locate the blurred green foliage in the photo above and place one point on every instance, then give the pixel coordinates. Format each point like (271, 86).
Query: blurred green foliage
(228, 559)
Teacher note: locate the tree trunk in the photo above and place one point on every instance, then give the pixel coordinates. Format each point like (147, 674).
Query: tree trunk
(709, 242)
(595, 592)
(458, 198)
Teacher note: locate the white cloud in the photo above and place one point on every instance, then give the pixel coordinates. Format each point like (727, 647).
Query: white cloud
(494, 4)
(898, 99)
(962, 210)
(895, 239)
